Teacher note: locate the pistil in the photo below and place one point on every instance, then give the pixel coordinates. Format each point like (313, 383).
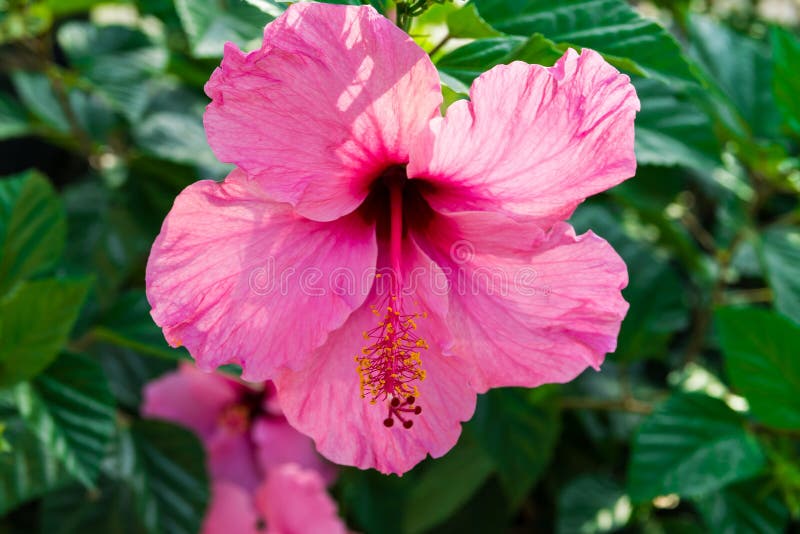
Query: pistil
(389, 366)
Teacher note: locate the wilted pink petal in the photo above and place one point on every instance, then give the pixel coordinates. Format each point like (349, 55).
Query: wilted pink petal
(334, 96)
(532, 140)
(233, 276)
(293, 500)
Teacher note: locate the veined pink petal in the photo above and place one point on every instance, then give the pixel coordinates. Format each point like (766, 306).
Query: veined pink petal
(324, 402)
(278, 443)
(231, 510)
(334, 96)
(528, 308)
(190, 397)
(293, 500)
(238, 278)
(532, 141)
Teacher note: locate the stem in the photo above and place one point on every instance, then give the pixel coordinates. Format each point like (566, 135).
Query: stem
(630, 405)
(440, 45)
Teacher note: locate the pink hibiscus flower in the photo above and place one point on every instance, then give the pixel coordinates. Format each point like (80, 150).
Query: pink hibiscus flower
(262, 470)
(362, 225)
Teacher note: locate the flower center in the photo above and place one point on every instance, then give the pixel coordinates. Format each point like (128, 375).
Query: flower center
(235, 418)
(389, 366)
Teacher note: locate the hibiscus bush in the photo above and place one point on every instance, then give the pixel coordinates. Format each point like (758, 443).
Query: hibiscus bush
(153, 379)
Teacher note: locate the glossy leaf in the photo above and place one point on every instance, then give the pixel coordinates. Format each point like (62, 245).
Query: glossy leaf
(743, 79)
(175, 491)
(116, 60)
(671, 130)
(780, 257)
(691, 445)
(210, 24)
(611, 27)
(446, 485)
(467, 23)
(592, 504)
(469, 61)
(71, 410)
(154, 482)
(518, 429)
(35, 322)
(13, 119)
(37, 94)
(762, 357)
(129, 325)
(32, 228)
(786, 55)
(28, 470)
(751, 507)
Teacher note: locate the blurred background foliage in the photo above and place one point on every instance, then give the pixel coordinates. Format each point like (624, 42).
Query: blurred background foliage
(693, 425)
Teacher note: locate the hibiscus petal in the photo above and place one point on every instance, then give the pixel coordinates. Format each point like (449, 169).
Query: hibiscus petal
(232, 457)
(190, 397)
(231, 510)
(278, 443)
(293, 500)
(333, 97)
(526, 307)
(532, 141)
(323, 400)
(234, 277)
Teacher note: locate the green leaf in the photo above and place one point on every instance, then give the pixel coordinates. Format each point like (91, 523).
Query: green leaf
(780, 257)
(518, 429)
(611, 27)
(32, 228)
(172, 129)
(446, 485)
(128, 372)
(155, 482)
(104, 237)
(762, 357)
(129, 324)
(691, 445)
(743, 79)
(751, 507)
(373, 502)
(37, 94)
(69, 7)
(786, 55)
(671, 130)
(13, 119)
(210, 25)
(29, 469)
(116, 60)
(178, 137)
(35, 322)
(71, 410)
(25, 21)
(471, 60)
(106, 509)
(466, 23)
(592, 504)
(175, 492)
